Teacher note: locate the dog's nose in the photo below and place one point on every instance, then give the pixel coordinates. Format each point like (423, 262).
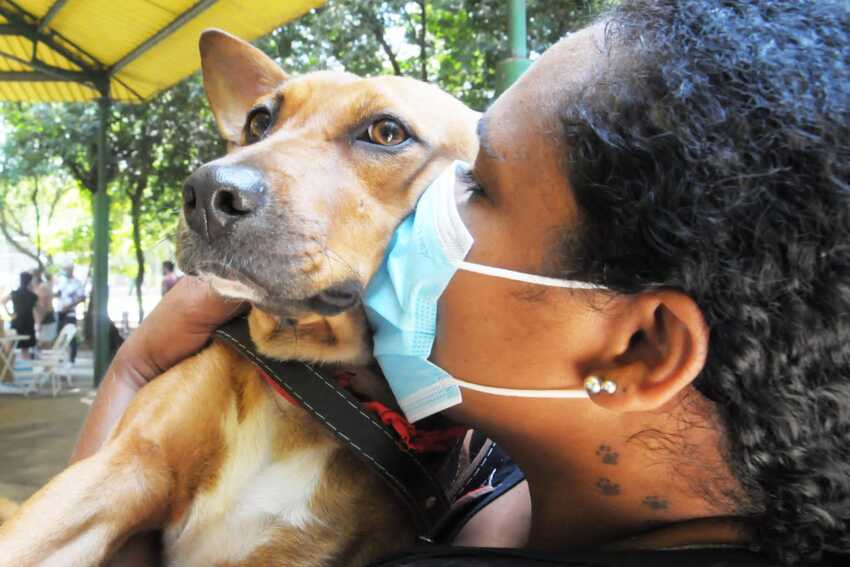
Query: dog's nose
(216, 196)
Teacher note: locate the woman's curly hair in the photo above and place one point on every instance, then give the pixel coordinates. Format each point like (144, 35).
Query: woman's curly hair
(718, 164)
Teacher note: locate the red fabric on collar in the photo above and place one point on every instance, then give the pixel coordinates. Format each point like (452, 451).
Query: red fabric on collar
(277, 388)
(418, 441)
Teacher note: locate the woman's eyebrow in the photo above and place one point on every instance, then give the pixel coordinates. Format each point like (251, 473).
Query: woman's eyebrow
(483, 138)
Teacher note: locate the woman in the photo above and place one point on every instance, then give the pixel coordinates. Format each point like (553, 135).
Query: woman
(690, 158)
(23, 317)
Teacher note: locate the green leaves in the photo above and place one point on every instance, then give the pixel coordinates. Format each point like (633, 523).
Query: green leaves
(53, 147)
(464, 40)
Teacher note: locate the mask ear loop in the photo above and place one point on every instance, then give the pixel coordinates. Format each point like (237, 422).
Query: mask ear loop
(526, 278)
(573, 393)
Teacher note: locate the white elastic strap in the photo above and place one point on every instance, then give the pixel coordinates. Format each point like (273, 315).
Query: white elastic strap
(576, 393)
(523, 277)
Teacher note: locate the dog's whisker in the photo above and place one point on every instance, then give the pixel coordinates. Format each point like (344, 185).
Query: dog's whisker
(169, 236)
(330, 254)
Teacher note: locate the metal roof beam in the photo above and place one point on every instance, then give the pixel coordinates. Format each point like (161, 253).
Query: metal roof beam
(17, 21)
(39, 77)
(51, 13)
(160, 35)
(58, 73)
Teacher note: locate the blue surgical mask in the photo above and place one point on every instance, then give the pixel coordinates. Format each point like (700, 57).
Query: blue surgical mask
(426, 250)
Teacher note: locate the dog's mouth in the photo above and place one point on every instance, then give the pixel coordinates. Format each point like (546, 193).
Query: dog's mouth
(233, 287)
(337, 298)
(274, 280)
(333, 300)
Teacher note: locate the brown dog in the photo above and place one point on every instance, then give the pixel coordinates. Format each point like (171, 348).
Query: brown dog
(295, 219)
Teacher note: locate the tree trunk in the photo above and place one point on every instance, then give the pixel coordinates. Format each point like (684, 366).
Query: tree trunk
(34, 197)
(377, 27)
(423, 36)
(7, 230)
(135, 215)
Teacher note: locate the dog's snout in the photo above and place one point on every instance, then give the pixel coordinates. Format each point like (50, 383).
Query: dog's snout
(216, 196)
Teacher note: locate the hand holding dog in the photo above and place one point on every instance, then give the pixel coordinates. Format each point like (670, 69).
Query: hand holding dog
(179, 326)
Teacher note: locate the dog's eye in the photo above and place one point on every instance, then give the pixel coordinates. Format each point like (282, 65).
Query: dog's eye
(259, 122)
(387, 132)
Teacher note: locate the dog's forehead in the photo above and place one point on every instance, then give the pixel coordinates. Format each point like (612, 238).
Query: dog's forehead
(316, 82)
(344, 97)
(423, 97)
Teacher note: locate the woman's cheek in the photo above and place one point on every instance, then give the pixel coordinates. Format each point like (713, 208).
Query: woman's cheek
(468, 317)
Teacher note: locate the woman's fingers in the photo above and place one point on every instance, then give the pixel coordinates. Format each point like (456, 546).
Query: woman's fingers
(179, 326)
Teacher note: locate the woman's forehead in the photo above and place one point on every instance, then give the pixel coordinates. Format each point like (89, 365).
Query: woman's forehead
(532, 104)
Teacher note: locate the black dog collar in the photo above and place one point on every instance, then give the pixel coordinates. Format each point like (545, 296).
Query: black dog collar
(341, 413)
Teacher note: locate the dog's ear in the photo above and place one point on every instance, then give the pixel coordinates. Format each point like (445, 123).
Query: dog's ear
(236, 74)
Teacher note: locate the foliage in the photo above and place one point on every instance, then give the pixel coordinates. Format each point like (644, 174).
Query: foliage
(33, 216)
(464, 40)
(158, 144)
(153, 147)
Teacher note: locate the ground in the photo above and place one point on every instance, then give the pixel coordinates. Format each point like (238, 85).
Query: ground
(37, 433)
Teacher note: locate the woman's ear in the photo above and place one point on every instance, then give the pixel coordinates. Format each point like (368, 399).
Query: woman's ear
(662, 349)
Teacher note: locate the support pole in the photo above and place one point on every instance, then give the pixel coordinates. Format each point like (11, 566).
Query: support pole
(510, 68)
(100, 315)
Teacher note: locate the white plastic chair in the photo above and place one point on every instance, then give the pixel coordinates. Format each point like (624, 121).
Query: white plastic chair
(53, 364)
(48, 332)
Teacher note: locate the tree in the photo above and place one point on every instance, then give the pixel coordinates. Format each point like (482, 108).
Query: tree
(26, 207)
(454, 43)
(158, 144)
(56, 140)
(31, 190)
(153, 147)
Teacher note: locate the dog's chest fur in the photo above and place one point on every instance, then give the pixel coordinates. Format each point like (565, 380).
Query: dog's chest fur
(285, 493)
(259, 494)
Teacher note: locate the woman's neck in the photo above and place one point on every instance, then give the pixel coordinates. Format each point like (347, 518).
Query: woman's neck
(621, 482)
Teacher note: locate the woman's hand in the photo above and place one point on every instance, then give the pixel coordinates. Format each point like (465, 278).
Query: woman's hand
(179, 326)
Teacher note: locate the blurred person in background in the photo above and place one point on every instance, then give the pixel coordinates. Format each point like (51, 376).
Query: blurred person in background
(169, 276)
(23, 312)
(45, 316)
(70, 293)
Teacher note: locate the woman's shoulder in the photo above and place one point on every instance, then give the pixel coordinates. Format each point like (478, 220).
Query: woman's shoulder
(490, 500)
(21, 294)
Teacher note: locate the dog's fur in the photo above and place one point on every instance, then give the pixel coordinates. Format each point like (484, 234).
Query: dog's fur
(232, 473)
(7, 508)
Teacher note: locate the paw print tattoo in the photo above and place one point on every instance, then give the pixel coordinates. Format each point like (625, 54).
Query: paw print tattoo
(655, 503)
(608, 456)
(607, 487)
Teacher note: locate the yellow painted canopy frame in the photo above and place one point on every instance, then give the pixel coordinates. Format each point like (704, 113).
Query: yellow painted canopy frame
(48, 47)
